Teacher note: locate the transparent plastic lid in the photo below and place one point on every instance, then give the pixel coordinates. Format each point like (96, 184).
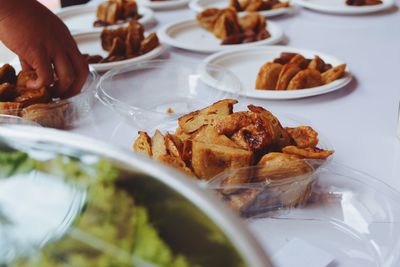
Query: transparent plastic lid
(349, 215)
(154, 94)
(64, 203)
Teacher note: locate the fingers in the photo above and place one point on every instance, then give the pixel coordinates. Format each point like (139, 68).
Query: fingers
(81, 72)
(24, 65)
(43, 67)
(65, 74)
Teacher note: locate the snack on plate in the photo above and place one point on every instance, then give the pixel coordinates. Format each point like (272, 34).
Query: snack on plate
(257, 5)
(226, 25)
(363, 2)
(292, 71)
(215, 140)
(30, 104)
(124, 43)
(116, 11)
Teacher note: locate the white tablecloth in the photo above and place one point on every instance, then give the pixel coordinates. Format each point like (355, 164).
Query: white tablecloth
(359, 120)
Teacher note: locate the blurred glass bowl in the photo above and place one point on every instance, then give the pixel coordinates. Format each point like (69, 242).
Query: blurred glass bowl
(154, 94)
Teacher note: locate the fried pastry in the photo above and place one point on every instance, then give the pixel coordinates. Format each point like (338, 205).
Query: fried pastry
(307, 152)
(40, 113)
(268, 75)
(124, 43)
(29, 97)
(149, 43)
(142, 144)
(209, 160)
(257, 5)
(292, 71)
(226, 25)
(285, 76)
(113, 11)
(303, 136)
(363, 2)
(333, 73)
(307, 78)
(10, 108)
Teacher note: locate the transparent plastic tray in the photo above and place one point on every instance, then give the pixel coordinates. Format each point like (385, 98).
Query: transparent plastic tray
(61, 114)
(156, 93)
(9, 119)
(350, 215)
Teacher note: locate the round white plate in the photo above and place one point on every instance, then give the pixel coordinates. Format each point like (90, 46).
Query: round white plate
(189, 35)
(201, 5)
(245, 64)
(340, 7)
(90, 43)
(80, 18)
(166, 4)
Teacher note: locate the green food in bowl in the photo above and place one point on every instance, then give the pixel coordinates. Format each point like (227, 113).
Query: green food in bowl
(121, 219)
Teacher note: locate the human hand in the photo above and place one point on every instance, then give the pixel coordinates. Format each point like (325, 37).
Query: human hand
(44, 44)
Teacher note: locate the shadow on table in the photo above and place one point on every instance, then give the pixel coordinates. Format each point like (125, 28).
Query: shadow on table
(389, 11)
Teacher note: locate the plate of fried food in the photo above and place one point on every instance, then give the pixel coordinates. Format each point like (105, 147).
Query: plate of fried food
(112, 13)
(163, 4)
(118, 47)
(39, 105)
(216, 141)
(346, 7)
(267, 8)
(279, 72)
(220, 29)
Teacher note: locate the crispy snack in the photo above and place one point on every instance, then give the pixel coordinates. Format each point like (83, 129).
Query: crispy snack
(363, 2)
(268, 75)
(10, 108)
(257, 5)
(116, 11)
(247, 153)
(308, 152)
(40, 113)
(292, 71)
(29, 97)
(333, 73)
(307, 78)
(285, 76)
(143, 144)
(124, 42)
(149, 43)
(195, 120)
(226, 25)
(303, 136)
(209, 160)
(31, 104)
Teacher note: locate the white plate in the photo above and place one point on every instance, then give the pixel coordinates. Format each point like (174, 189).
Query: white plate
(90, 43)
(340, 7)
(200, 5)
(245, 64)
(80, 18)
(167, 4)
(189, 35)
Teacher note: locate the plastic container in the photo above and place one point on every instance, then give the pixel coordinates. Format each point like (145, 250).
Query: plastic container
(60, 114)
(8, 119)
(66, 200)
(348, 215)
(155, 94)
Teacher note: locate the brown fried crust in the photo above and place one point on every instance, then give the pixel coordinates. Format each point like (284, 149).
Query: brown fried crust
(333, 73)
(285, 76)
(268, 75)
(308, 152)
(307, 78)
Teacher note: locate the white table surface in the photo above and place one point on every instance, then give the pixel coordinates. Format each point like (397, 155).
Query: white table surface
(359, 120)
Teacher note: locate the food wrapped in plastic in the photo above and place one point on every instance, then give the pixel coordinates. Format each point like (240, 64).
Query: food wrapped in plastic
(283, 182)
